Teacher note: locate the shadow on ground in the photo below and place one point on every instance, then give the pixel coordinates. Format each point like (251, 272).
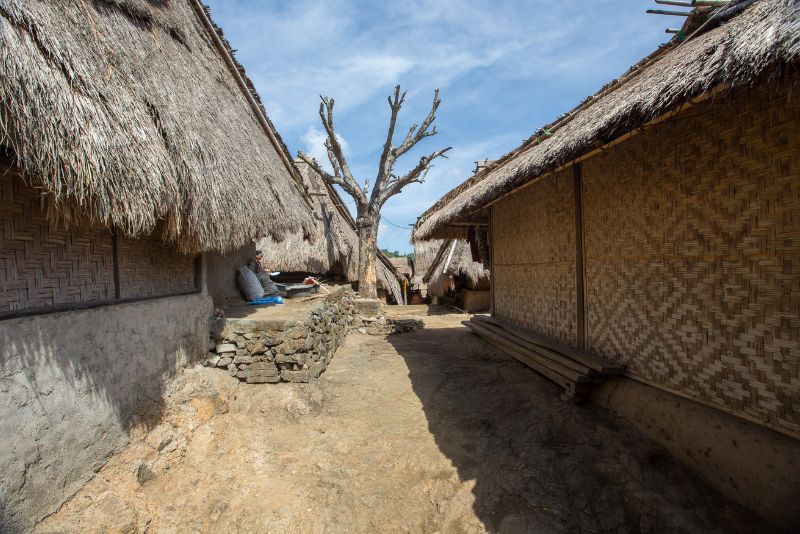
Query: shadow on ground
(543, 465)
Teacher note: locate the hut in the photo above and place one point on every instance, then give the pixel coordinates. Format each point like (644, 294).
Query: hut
(454, 277)
(333, 253)
(132, 148)
(657, 225)
(424, 254)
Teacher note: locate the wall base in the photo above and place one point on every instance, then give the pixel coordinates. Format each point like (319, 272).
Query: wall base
(73, 384)
(749, 464)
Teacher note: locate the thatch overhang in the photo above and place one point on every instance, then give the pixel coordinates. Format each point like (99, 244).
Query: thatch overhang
(335, 243)
(135, 114)
(453, 257)
(747, 42)
(425, 253)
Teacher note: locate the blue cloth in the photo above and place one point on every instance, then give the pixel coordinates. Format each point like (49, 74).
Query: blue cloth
(266, 300)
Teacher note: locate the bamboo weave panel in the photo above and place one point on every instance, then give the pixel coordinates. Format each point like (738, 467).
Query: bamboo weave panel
(533, 258)
(149, 268)
(43, 266)
(692, 236)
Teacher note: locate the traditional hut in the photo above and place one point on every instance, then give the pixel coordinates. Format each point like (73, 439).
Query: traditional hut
(454, 277)
(132, 146)
(334, 251)
(657, 225)
(425, 253)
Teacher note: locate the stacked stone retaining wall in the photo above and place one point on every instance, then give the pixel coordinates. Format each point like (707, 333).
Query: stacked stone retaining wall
(271, 351)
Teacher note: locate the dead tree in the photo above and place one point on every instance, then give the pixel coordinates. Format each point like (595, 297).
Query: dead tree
(387, 184)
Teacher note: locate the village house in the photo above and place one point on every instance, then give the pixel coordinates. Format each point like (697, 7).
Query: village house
(333, 253)
(448, 274)
(135, 158)
(657, 226)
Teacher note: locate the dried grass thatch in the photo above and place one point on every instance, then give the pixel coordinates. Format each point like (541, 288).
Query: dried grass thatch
(439, 274)
(134, 113)
(335, 247)
(761, 40)
(425, 253)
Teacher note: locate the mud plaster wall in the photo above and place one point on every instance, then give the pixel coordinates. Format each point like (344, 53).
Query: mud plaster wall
(752, 465)
(221, 274)
(533, 257)
(72, 384)
(692, 247)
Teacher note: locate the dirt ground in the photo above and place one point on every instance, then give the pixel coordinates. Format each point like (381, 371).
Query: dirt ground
(430, 431)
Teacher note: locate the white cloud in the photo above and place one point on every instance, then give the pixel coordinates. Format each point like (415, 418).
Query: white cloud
(505, 68)
(314, 145)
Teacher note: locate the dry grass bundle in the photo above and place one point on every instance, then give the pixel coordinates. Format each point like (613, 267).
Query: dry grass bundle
(763, 40)
(132, 113)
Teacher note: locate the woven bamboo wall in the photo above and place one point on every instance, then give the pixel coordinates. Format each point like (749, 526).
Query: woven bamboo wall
(44, 267)
(41, 266)
(692, 246)
(533, 257)
(149, 268)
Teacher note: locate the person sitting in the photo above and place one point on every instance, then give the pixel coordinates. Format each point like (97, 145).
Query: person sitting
(262, 273)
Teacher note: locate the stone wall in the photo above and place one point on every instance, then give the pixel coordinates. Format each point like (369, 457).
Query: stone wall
(282, 350)
(296, 350)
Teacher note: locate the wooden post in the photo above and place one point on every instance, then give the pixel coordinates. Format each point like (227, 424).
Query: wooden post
(491, 261)
(115, 260)
(579, 262)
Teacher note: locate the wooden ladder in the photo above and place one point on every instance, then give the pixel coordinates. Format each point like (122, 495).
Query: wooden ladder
(573, 369)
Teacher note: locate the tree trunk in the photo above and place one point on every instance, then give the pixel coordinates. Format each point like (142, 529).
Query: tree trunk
(367, 253)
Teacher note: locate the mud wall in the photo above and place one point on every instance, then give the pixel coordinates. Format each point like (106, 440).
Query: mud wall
(749, 464)
(73, 384)
(221, 274)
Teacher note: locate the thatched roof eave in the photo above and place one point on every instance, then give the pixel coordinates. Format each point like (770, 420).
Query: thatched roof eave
(762, 40)
(132, 143)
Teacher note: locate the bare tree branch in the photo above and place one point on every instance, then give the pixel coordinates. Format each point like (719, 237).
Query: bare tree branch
(387, 157)
(396, 183)
(336, 154)
(336, 178)
(415, 135)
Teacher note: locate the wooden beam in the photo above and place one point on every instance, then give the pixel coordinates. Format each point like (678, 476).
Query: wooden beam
(491, 261)
(580, 298)
(592, 361)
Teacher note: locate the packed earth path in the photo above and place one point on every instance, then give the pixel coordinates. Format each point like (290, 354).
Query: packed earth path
(428, 431)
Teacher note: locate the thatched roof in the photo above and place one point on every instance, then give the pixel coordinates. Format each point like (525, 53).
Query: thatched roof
(134, 113)
(404, 266)
(335, 246)
(744, 43)
(453, 258)
(425, 253)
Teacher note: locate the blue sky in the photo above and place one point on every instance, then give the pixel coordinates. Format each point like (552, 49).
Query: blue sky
(504, 69)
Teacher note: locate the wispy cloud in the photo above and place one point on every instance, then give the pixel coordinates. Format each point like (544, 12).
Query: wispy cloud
(504, 67)
(314, 145)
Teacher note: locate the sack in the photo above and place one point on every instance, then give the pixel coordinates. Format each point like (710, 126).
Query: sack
(269, 286)
(249, 284)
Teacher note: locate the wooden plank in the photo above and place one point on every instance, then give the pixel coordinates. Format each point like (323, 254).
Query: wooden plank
(599, 364)
(555, 356)
(575, 389)
(542, 361)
